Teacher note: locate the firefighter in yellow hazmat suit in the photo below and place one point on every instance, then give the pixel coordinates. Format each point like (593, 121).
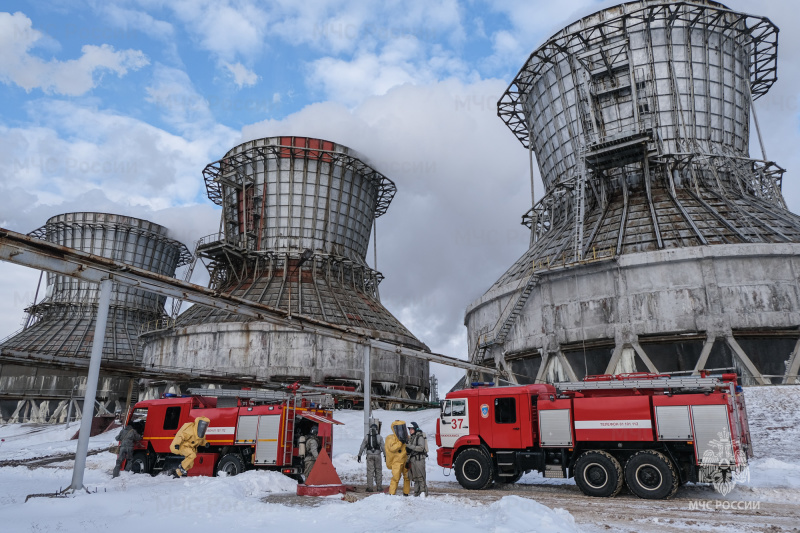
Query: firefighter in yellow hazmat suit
(397, 457)
(187, 440)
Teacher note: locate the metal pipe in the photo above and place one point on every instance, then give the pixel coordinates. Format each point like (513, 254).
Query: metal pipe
(28, 251)
(91, 384)
(367, 386)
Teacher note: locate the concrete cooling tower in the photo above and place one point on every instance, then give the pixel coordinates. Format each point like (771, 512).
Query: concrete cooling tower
(44, 365)
(661, 243)
(296, 219)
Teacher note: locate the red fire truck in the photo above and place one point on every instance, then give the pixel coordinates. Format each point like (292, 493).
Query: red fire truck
(649, 432)
(248, 429)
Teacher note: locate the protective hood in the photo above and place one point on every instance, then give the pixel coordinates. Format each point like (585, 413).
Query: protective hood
(201, 425)
(400, 430)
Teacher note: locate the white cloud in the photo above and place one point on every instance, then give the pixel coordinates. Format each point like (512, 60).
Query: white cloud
(76, 150)
(131, 19)
(238, 32)
(404, 60)
(226, 29)
(73, 77)
(173, 93)
(242, 76)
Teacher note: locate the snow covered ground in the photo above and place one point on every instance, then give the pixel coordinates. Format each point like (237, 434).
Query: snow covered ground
(135, 502)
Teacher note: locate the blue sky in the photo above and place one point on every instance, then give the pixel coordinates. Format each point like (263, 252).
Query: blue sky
(118, 105)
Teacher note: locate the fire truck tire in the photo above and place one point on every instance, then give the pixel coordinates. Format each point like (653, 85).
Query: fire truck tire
(231, 464)
(651, 475)
(140, 463)
(474, 469)
(599, 474)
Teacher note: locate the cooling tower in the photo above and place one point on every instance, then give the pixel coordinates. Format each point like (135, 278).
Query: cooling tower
(38, 364)
(296, 220)
(661, 244)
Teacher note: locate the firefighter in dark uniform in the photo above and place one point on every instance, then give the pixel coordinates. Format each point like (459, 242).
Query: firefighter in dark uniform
(373, 446)
(127, 437)
(417, 452)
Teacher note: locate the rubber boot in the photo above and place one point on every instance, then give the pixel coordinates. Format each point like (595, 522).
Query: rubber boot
(370, 489)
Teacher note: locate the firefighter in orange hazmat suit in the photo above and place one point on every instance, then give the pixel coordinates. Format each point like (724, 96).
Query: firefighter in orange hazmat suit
(187, 440)
(397, 457)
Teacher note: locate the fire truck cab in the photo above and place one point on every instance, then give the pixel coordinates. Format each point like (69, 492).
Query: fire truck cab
(248, 429)
(649, 432)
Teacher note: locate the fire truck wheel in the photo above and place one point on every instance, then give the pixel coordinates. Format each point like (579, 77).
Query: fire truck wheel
(650, 475)
(474, 469)
(230, 464)
(598, 473)
(140, 463)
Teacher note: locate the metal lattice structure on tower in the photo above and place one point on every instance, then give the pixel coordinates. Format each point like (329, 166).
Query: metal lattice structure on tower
(640, 119)
(297, 213)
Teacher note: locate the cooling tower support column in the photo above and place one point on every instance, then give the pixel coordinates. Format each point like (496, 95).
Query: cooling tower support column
(91, 384)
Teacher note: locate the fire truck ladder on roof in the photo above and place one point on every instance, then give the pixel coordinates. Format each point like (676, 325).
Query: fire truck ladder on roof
(658, 383)
(244, 394)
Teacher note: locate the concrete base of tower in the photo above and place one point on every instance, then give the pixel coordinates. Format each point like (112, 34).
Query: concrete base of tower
(43, 395)
(722, 307)
(272, 353)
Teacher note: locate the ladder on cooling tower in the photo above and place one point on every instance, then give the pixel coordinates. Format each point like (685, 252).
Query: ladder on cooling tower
(657, 383)
(288, 432)
(507, 319)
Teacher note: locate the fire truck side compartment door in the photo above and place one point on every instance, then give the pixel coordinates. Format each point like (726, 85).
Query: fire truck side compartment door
(712, 442)
(267, 445)
(673, 422)
(555, 427)
(246, 429)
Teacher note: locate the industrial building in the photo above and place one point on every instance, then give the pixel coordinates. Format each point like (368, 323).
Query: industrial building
(42, 366)
(297, 214)
(661, 243)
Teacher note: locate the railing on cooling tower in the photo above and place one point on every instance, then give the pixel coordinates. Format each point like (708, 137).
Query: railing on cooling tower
(568, 260)
(161, 324)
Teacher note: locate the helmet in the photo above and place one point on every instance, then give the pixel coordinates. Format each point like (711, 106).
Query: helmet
(313, 430)
(414, 426)
(202, 425)
(400, 431)
(373, 427)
